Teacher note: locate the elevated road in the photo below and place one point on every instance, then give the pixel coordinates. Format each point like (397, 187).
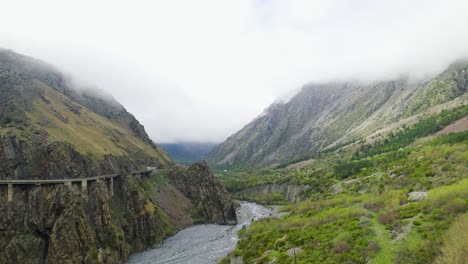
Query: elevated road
(68, 182)
(62, 181)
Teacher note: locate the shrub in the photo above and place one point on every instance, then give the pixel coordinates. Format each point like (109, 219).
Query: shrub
(410, 210)
(455, 247)
(341, 247)
(388, 217)
(456, 205)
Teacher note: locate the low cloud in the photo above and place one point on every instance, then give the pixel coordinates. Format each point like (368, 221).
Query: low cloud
(200, 70)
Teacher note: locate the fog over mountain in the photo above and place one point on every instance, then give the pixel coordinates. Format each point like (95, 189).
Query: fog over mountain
(201, 70)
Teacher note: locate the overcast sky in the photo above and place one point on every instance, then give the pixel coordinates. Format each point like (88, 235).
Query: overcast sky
(199, 70)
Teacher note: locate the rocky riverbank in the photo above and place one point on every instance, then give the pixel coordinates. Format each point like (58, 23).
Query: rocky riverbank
(202, 244)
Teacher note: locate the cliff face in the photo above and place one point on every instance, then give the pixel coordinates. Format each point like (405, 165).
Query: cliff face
(210, 199)
(60, 224)
(292, 193)
(51, 129)
(323, 115)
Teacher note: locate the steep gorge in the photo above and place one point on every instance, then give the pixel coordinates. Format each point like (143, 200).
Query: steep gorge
(51, 129)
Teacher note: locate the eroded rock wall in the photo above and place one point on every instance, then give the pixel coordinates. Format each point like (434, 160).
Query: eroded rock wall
(211, 200)
(60, 224)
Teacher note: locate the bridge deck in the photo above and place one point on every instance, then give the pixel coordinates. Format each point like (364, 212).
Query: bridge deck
(72, 180)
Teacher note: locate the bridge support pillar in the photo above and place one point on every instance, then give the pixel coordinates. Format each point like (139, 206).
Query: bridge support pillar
(67, 183)
(10, 192)
(111, 187)
(84, 185)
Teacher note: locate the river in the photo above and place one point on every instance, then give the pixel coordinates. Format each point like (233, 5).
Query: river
(202, 244)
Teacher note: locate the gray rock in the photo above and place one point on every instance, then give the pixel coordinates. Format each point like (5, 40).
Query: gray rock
(294, 251)
(416, 196)
(236, 260)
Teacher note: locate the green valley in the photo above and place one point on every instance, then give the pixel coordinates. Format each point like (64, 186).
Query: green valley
(392, 200)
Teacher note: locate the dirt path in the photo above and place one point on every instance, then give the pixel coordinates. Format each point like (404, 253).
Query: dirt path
(385, 254)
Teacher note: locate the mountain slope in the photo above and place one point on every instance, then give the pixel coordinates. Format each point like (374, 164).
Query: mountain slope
(323, 115)
(399, 194)
(51, 128)
(41, 111)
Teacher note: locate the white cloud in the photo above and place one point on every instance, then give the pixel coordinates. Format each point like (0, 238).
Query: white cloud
(200, 70)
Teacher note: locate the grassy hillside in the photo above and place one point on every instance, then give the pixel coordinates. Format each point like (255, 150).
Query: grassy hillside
(375, 228)
(361, 204)
(87, 131)
(50, 126)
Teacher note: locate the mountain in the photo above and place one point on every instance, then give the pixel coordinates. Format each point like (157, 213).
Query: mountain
(326, 115)
(396, 195)
(77, 132)
(187, 152)
(54, 129)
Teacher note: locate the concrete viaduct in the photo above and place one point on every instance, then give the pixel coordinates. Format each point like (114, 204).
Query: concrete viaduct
(68, 182)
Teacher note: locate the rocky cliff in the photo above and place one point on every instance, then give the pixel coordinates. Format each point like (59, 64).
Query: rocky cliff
(211, 200)
(51, 128)
(59, 224)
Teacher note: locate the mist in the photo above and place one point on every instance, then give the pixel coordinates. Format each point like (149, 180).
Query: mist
(200, 70)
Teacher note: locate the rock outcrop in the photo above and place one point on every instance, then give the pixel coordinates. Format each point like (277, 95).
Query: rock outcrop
(211, 200)
(417, 196)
